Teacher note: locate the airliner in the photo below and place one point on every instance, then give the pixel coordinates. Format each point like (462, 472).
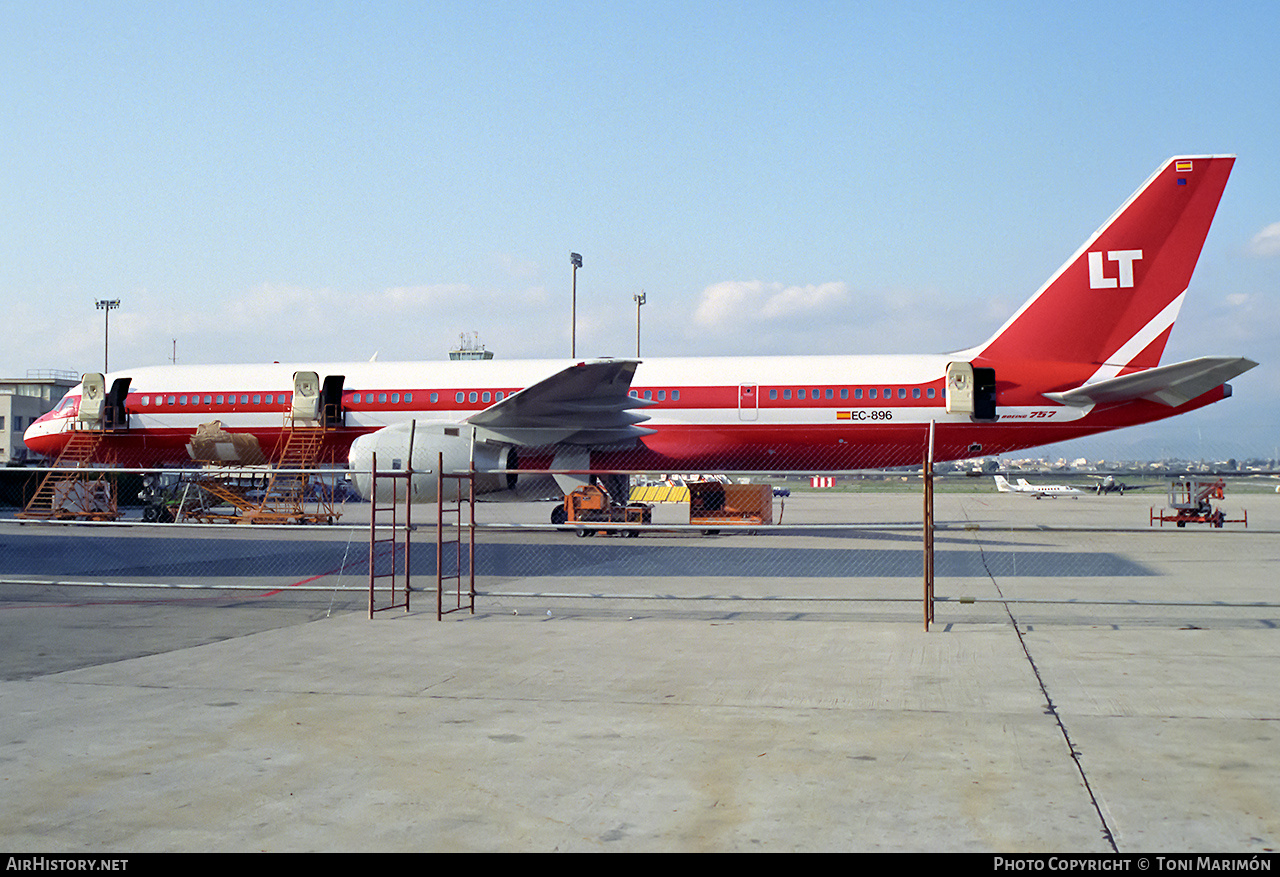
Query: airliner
(1039, 491)
(1081, 356)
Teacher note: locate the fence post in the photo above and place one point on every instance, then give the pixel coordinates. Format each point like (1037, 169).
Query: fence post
(928, 530)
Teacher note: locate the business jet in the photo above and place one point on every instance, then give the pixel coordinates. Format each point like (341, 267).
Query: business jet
(1039, 491)
(1081, 356)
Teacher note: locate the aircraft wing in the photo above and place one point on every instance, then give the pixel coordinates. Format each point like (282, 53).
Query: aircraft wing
(1170, 385)
(584, 404)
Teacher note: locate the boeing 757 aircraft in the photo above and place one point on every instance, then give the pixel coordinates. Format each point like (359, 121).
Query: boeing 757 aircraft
(1081, 356)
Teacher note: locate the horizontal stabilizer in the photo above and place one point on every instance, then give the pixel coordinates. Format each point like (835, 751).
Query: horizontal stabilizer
(1170, 385)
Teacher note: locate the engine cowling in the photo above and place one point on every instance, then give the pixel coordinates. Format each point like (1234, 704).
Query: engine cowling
(430, 440)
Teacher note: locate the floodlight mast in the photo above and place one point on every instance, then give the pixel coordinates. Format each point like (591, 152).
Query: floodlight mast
(106, 306)
(639, 301)
(576, 261)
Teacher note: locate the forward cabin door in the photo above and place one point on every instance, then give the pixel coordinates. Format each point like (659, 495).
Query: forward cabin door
(93, 400)
(748, 401)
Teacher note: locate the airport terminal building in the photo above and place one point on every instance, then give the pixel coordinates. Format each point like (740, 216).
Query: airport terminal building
(22, 400)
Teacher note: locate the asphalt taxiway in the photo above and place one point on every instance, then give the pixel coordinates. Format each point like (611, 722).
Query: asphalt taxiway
(1089, 684)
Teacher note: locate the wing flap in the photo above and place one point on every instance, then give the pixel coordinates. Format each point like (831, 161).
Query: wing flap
(1170, 385)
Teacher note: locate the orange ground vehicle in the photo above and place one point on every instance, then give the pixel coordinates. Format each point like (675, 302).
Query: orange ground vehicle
(592, 504)
(1191, 503)
(716, 504)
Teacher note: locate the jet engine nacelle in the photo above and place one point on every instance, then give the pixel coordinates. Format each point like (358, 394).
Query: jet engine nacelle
(430, 439)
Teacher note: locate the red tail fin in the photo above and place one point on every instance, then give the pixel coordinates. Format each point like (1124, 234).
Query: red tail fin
(1112, 305)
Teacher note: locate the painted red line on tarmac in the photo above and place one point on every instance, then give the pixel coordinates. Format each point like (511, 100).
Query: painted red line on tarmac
(338, 570)
(300, 582)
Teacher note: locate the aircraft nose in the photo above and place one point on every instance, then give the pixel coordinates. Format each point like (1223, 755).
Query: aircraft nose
(41, 436)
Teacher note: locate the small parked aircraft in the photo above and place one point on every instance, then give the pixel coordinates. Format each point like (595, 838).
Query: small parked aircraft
(1109, 484)
(1038, 491)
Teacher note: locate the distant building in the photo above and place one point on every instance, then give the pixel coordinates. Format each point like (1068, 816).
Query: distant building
(469, 347)
(22, 401)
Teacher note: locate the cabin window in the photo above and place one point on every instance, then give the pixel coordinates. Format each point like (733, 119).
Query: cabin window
(915, 392)
(498, 396)
(773, 394)
(395, 398)
(484, 397)
(382, 398)
(831, 394)
(356, 398)
(902, 392)
(244, 398)
(931, 392)
(408, 397)
(786, 394)
(269, 398)
(800, 394)
(146, 400)
(662, 395)
(675, 395)
(857, 394)
(257, 398)
(435, 397)
(472, 397)
(844, 392)
(459, 397)
(871, 394)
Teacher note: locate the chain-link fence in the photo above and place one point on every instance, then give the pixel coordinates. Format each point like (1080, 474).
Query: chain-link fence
(732, 546)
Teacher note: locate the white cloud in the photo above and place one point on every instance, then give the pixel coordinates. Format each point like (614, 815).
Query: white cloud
(407, 298)
(1266, 243)
(794, 300)
(735, 302)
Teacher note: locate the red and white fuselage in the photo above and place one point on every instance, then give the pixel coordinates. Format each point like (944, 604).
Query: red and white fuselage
(787, 413)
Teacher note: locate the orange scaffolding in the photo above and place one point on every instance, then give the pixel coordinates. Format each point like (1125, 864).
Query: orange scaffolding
(76, 488)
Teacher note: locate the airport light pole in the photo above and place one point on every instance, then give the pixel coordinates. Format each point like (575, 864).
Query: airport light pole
(576, 261)
(639, 301)
(106, 306)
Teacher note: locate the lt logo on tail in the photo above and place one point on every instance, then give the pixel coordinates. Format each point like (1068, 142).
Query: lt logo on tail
(1124, 258)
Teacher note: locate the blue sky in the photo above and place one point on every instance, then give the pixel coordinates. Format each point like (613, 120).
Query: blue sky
(292, 181)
